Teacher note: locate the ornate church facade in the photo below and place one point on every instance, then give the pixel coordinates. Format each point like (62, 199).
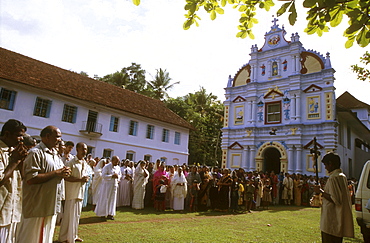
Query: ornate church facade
(276, 104)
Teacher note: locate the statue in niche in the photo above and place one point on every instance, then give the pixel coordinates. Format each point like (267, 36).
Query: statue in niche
(263, 67)
(285, 65)
(274, 68)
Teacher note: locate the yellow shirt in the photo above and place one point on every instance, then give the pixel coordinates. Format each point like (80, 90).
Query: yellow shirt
(75, 190)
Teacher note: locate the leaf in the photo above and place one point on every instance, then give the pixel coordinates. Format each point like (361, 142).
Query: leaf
(187, 24)
(310, 30)
(361, 38)
(293, 15)
(309, 3)
(219, 10)
(282, 9)
(223, 3)
(213, 15)
(336, 17)
(349, 43)
(353, 28)
(136, 2)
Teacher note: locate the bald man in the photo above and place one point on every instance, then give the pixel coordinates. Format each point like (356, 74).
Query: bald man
(111, 174)
(42, 189)
(74, 192)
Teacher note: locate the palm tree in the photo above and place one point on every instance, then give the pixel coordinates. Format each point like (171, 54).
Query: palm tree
(161, 84)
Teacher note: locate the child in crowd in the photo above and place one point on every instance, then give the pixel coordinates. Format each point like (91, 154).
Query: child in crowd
(249, 194)
(159, 203)
(266, 196)
(234, 195)
(194, 196)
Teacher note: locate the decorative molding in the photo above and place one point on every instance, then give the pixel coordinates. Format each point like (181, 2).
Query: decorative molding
(236, 146)
(239, 99)
(312, 88)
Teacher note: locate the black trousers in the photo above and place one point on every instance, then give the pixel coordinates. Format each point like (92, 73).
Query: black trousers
(326, 238)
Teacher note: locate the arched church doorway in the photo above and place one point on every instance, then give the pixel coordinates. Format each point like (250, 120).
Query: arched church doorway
(271, 160)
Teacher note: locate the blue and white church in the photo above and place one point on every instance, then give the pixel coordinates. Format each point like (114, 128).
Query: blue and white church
(278, 102)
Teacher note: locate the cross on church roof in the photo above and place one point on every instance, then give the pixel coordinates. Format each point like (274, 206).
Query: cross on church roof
(275, 20)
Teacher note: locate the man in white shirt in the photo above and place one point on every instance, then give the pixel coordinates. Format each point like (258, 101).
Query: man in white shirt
(11, 137)
(336, 211)
(287, 194)
(74, 194)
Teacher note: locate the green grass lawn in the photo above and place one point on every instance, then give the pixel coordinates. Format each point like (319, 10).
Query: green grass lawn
(278, 224)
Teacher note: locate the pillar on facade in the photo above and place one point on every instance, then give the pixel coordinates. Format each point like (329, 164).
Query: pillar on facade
(298, 108)
(299, 160)
(290, 160)
(245, 162)
(252, 159)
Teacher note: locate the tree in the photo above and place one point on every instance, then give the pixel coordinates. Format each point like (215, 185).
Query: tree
(84, 74)
(320, 15)
(205, 113)
(131, 78)
(160, 84)
(362, 73)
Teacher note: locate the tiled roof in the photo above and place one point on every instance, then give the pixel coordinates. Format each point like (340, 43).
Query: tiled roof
(348, 101)
(21, 69)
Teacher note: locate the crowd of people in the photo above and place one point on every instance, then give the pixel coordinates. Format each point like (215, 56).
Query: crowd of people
(42, 184)
(200, 188)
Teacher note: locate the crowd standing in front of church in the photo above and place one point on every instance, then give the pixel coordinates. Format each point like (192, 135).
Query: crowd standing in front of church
(38, 181)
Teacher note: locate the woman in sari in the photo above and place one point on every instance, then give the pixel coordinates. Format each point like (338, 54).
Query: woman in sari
(179, 189)
(124, 196)
(223, 190)
(158, 175)
(203, 196)
(140, 180)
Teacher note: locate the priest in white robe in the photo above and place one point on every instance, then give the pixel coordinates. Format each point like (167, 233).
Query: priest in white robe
(111, 174)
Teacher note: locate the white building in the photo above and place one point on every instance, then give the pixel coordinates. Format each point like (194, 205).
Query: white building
(279, 101)
(109, 119)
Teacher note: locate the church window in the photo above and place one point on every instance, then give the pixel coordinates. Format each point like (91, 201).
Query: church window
(273, 112)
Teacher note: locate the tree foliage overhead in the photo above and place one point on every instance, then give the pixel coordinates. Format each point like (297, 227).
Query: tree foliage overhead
(205, 113)
(321, 15)
(362, 72)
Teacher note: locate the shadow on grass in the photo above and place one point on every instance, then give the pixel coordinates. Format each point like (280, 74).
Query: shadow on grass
(151, 211)
(93, 220)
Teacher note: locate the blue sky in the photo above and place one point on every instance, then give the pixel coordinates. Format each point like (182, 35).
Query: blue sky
(101, 37)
